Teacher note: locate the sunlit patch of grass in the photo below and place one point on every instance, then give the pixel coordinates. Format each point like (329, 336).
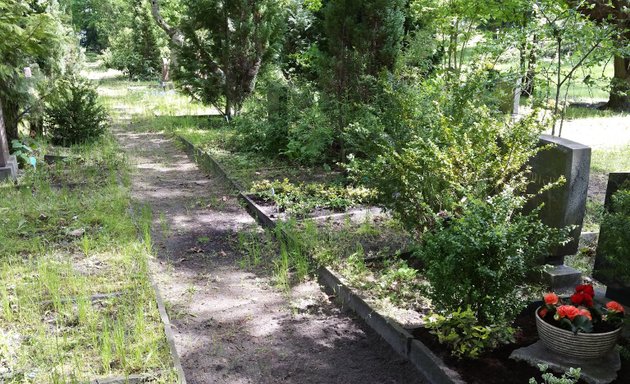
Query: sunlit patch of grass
(611, 160)
(66, 239)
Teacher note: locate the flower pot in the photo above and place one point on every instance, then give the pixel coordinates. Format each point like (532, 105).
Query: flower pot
(581, 346)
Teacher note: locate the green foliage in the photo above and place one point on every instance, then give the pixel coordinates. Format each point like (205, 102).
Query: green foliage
(32, 35)
(302, 198)
(464, 335)
(74, 114)
(570, 377)
(134, 49)
(225, 46)
(293, 124)
(445, 144)
(21, 151)
(97, 21)
(489, 250)
(399, 282)
(362, 40)
(616, 237)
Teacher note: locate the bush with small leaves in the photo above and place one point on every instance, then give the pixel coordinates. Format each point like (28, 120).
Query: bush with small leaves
(464, 335)
(74, 114)
(481, 259)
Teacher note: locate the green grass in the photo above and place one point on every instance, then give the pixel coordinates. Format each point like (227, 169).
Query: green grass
(152, 109)
(67, 236)
(611, 160)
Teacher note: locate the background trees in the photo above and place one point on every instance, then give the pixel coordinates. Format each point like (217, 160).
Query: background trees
(32, 35)
(221, 48)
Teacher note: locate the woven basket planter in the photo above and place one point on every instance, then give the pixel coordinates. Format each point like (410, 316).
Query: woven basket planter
(582, 346)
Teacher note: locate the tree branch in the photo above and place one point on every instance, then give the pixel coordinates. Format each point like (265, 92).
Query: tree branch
(177, 37)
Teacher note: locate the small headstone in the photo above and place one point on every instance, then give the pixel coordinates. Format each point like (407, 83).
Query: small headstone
(601, 371)
(564, 205)
(616, 279)
(8, 164)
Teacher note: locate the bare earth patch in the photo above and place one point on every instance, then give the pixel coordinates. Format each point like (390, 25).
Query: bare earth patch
(230, 325)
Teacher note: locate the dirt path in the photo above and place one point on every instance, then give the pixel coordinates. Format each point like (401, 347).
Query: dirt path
(230, 325)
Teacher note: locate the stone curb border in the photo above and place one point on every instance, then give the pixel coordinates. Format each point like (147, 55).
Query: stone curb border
(131, 379)
(168, 331)
(431, 367)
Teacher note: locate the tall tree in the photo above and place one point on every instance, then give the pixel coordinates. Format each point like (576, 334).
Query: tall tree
(616, 12)
(361, 39)
(98, 20)
(221, 47)
(30, 35)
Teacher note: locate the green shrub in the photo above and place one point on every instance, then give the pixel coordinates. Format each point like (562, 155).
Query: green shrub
(481, 259)
(464, 335)
(74, 114)
(443, 145)
(616, 236)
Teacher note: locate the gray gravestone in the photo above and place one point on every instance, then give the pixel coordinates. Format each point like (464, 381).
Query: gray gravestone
(617, 287)
(8, 164)
(564, 205)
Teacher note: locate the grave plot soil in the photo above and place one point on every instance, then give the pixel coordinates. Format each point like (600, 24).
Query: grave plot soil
(230, 325)
(496, 367)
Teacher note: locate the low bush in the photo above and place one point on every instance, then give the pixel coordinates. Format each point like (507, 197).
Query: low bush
(464, 335)
(445, 144)
(74, 114)
(481, 259)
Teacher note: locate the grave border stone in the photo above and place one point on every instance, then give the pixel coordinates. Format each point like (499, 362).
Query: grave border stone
(8, 163)
(613, 289)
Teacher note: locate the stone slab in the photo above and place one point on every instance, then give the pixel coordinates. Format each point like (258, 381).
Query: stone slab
(562, 278)
(564, 205)
(602, 371)
(9, 170)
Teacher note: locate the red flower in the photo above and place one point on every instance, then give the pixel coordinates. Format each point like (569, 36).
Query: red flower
(567, 311)
(614, 306)
(551, 298)
(543, 312)
(582, 298)
(586, 289)
(586, 313)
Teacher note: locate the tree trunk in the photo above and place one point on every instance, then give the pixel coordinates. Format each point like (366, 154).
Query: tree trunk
(620, 85)
(530, 76)
(11, 111)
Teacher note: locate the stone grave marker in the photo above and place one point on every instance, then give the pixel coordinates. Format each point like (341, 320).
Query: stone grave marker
(615, 277)
(564, 205)
(8, 164)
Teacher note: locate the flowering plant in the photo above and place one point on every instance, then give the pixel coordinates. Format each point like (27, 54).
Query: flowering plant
(580, 314)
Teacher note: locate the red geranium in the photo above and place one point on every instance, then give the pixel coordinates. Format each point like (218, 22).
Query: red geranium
(551, 298)
(582, 298)
(614, 306)
(586, 313)
(567, 311)
(586, 289)
(543, 312)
